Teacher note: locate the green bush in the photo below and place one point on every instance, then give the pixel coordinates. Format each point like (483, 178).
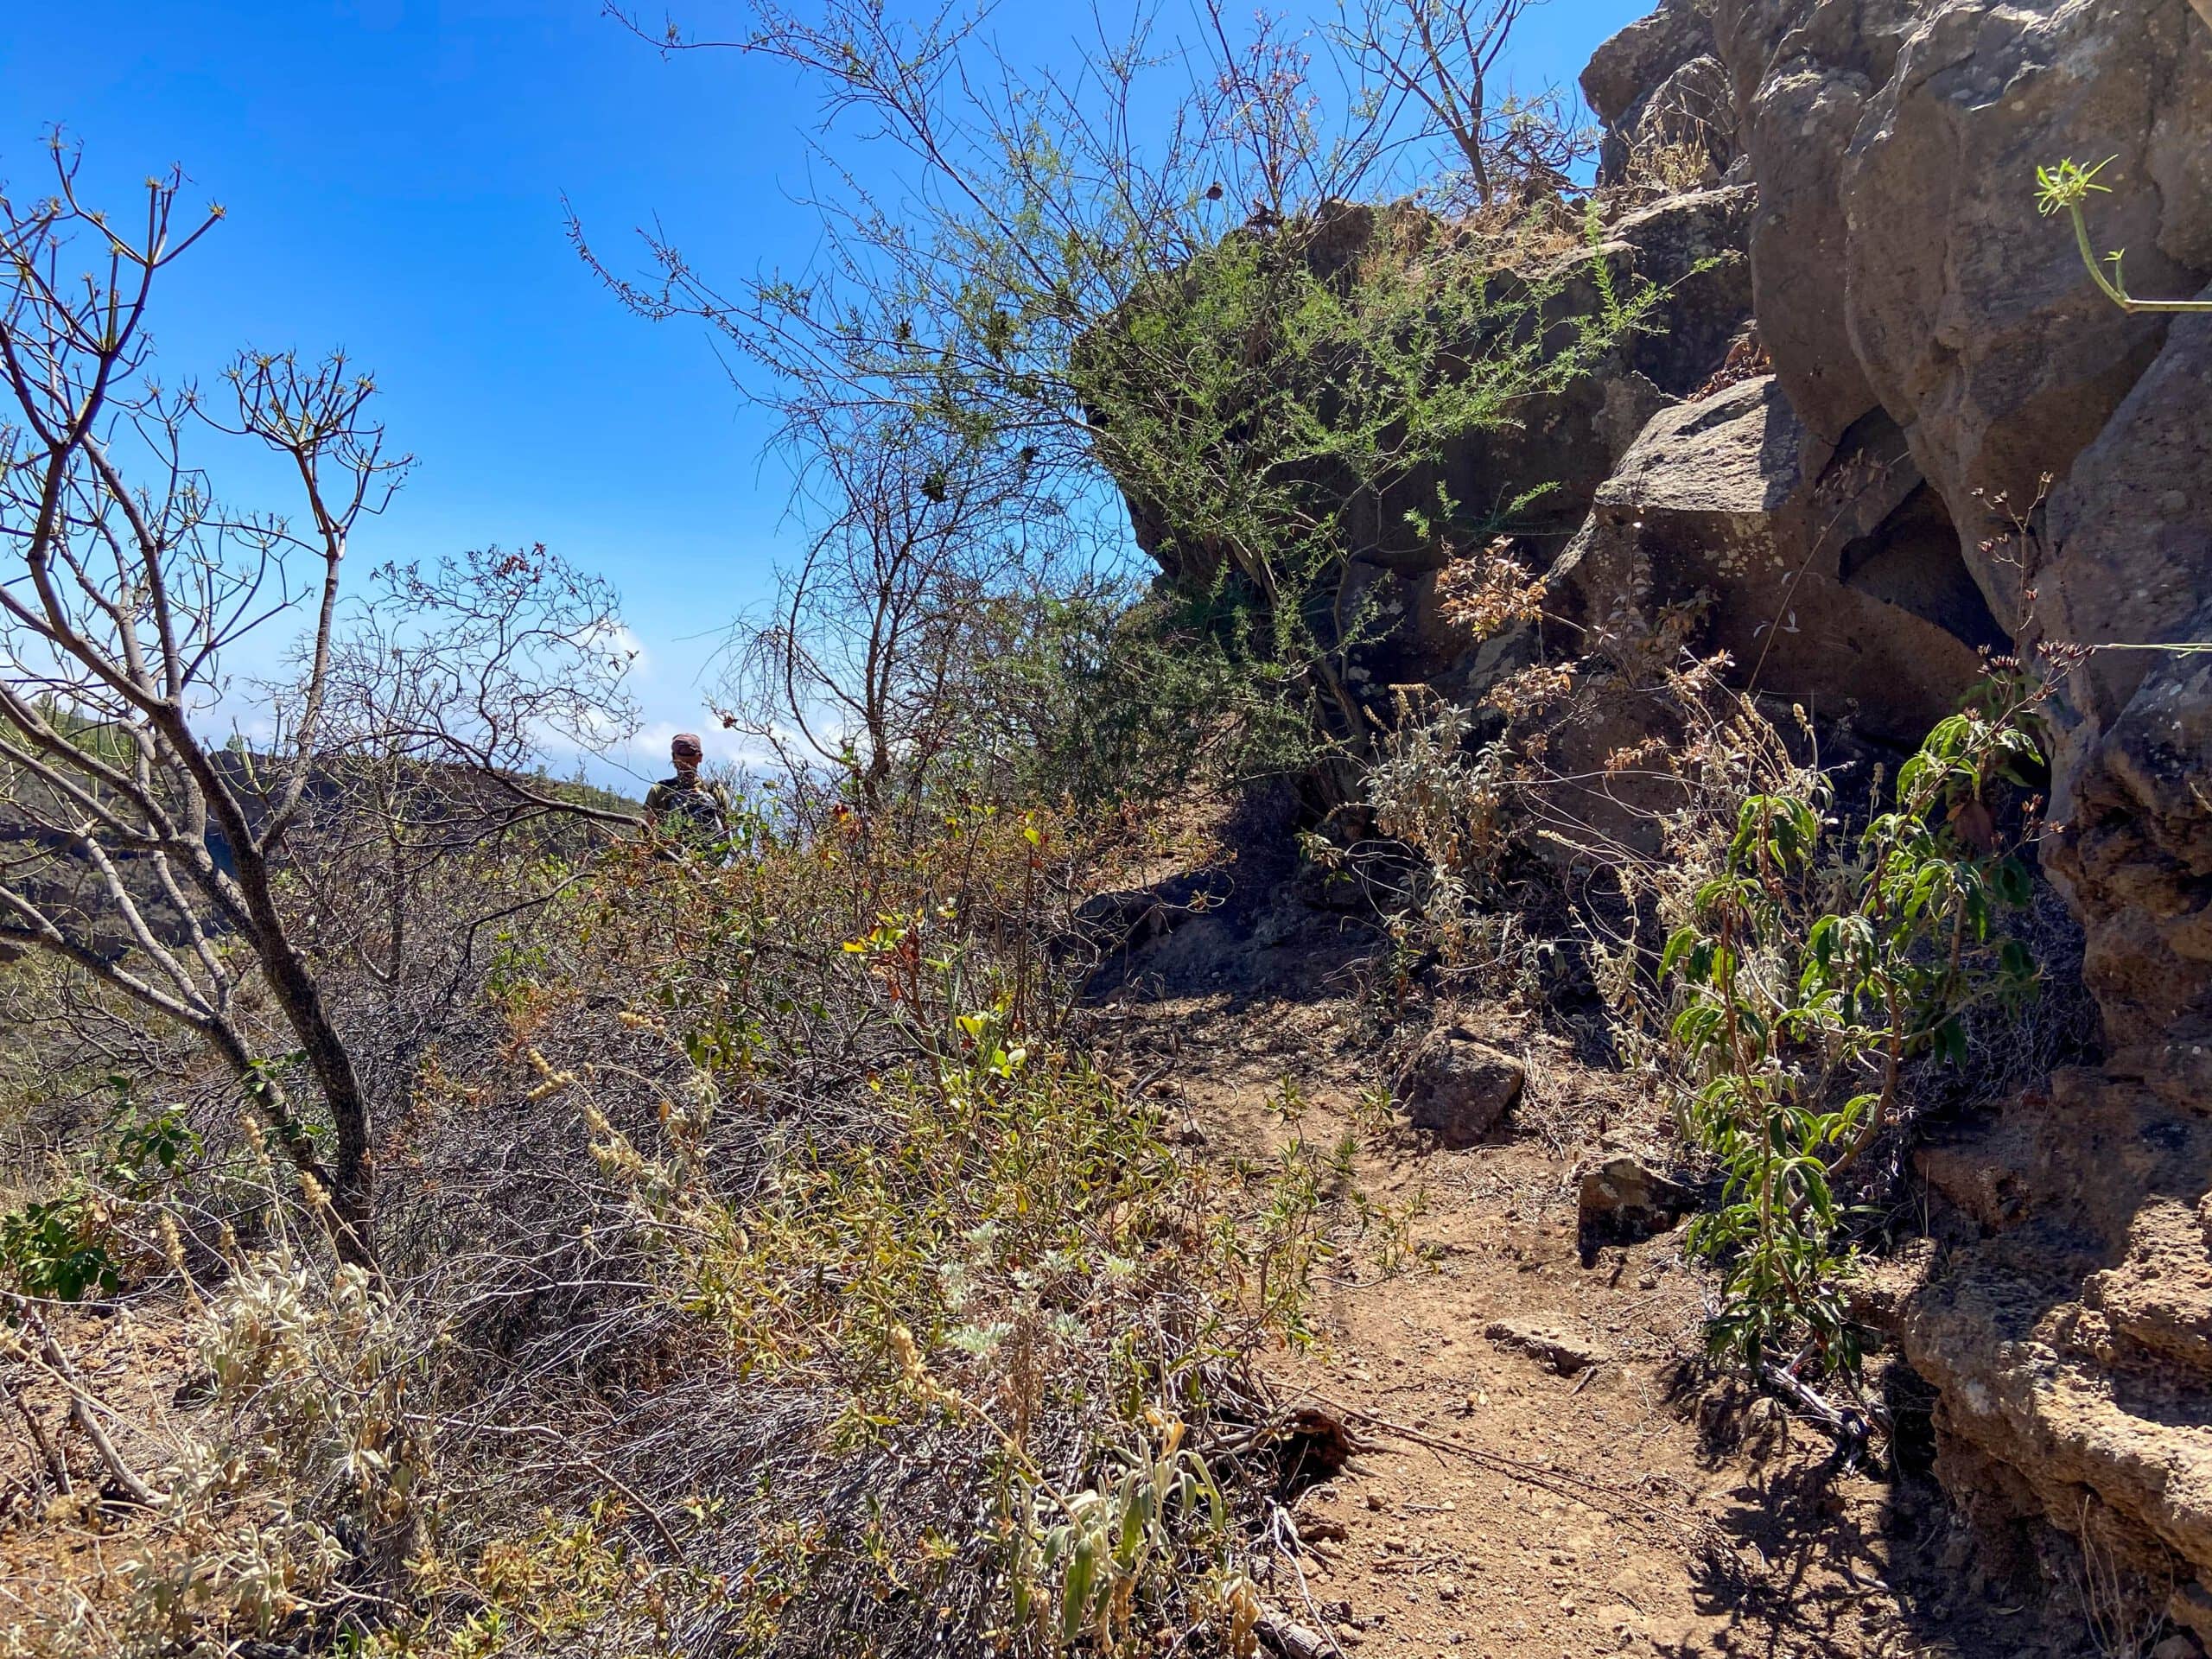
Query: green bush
(1276, 406)
(66, 1247)
(1810, 974)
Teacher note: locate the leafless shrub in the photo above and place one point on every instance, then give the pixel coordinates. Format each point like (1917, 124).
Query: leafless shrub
(138, 851)
(1441, 57)
(914, 634)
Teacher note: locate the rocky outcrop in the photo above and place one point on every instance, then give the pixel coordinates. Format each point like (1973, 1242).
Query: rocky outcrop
(2045, 466)
(1980, 331)
(1658, 82)
(2128, 559)
(1802, 78)
(2072, 1345)
(1894, 263)
(1689, 247)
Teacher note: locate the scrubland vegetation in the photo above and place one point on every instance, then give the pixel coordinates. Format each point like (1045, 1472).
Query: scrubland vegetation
(547, 1237)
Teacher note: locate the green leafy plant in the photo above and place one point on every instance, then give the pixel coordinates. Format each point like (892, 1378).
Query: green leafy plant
(1080, 1561)
(66, 1247)
(60, 1250)
(2066, 189)
(1809, 976)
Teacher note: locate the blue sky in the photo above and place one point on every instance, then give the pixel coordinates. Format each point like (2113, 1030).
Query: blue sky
(394, 172)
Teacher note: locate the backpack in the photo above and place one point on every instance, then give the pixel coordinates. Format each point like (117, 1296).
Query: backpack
(691, 813)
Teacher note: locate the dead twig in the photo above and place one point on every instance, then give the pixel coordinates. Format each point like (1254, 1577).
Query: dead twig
(660, 1527)
(56, 1464)
(81, 1405)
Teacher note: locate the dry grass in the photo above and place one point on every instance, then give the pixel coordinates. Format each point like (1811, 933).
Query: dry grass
(772, 1269)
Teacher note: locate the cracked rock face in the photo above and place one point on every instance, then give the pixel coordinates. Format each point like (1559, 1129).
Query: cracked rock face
(1805, 564)
(1916, 309)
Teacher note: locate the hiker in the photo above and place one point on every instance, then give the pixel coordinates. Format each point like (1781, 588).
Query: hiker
(685, 810)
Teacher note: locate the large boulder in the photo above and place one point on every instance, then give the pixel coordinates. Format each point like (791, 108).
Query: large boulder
(1802, 78)
(1896, 262)
(1980, 331)
(1658, 81)
(1626, 70)
(1904, 283)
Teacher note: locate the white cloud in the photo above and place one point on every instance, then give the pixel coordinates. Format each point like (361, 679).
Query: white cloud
(619, 641)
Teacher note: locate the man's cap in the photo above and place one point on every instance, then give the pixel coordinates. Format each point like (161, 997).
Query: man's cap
(685, 743)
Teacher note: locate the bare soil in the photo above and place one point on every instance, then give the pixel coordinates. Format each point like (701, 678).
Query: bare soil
(1545, 1466)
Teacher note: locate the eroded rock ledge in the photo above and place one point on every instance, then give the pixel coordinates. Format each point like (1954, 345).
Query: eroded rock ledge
(1927, 329)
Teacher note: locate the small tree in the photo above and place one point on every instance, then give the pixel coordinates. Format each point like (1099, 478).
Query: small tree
(1441, 58)
(154, 859)
(894, 647)
(444, 684)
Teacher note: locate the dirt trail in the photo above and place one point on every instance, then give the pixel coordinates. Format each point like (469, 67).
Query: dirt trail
(1546, 1469)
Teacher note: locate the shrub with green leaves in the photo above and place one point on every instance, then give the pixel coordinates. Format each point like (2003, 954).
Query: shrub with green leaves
(66, 1247)
(60, 1250)
(1277, 406)
(917, 1329)
(1810, 974)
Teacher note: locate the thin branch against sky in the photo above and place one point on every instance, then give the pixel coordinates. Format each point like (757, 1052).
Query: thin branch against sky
(422, 228)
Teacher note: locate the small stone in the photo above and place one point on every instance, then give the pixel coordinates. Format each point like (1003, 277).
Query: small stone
(1563, 1354)
(1621, 1201)
(1458, 1088)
